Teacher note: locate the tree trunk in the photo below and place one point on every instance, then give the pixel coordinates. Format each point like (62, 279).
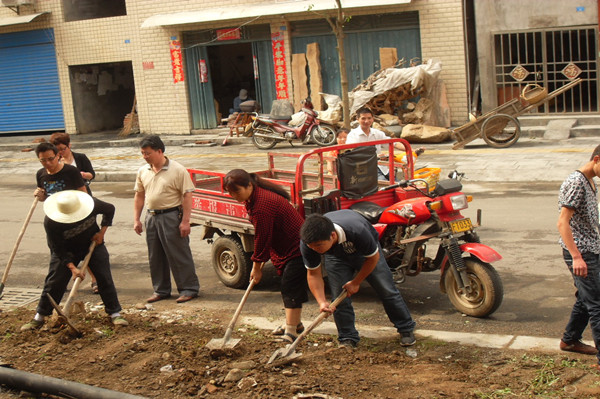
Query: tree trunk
(338, 30)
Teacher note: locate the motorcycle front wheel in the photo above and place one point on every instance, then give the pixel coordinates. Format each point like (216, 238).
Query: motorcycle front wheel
(486, 289)
(264, 143)
(323, 135)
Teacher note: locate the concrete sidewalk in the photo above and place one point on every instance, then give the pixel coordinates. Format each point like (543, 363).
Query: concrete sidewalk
(117, 159)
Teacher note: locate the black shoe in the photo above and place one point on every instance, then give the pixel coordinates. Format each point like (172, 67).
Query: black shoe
(347, 343)
(408, 338)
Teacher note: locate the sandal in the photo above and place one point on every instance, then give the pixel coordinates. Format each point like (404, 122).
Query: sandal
(287, 338)
(95, 288)
(281, 329)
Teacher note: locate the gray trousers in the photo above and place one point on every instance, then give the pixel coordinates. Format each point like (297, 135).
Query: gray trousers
(168, 253)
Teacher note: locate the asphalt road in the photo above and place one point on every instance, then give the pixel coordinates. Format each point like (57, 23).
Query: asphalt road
(519, 221)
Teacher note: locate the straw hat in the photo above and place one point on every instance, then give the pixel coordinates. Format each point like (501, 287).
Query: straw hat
(69, 206)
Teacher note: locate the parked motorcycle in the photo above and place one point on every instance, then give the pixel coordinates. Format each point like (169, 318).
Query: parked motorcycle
(405, 228)
(268, 131)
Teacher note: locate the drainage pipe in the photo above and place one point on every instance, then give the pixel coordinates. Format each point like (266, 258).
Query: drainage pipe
(37, 383)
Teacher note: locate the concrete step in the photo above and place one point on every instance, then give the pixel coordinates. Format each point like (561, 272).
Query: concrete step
(576, 131)
(542, 120)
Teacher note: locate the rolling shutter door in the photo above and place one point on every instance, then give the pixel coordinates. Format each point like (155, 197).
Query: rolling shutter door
(30, 97)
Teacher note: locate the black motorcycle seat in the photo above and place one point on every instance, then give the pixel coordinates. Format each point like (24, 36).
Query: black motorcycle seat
(369, 210)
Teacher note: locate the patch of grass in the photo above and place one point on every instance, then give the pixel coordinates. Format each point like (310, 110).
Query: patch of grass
(544, 379)
(108, 332)
(7, 336)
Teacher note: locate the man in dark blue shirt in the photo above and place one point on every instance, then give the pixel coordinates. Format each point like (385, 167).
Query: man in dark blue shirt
(351, 254)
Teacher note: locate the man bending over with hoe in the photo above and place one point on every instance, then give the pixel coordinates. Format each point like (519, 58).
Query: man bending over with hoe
(71, 227)
(351, 254)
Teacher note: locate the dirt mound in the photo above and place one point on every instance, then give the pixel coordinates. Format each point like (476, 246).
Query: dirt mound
(163, 355)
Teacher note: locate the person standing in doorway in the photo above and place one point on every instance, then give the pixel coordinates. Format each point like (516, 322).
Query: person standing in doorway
(165, 188)
(580, 242)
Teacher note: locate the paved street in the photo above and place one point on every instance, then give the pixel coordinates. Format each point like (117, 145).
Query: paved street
(516, 188)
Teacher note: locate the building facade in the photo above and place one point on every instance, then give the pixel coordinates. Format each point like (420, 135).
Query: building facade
(80, 66)
(544, 42)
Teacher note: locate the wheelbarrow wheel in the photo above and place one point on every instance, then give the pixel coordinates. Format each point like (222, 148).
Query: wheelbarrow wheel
(500, 131)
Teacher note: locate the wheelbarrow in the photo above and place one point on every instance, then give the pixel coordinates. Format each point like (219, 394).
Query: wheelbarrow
(499, 127)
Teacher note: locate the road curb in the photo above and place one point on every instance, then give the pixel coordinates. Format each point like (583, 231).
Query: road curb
(496, 341)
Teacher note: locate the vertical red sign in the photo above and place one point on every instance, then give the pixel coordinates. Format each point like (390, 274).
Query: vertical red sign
(176, 61)
(281, 80)
(203, 71)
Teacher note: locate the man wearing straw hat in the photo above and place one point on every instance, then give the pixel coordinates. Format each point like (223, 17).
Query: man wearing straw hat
(71, 226)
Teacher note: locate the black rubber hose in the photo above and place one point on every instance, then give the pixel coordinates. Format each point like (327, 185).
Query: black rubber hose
(37, 383)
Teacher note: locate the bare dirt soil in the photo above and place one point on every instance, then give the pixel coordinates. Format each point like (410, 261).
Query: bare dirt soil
(163, 355)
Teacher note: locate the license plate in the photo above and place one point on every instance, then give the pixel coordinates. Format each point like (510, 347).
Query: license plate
(458, 226)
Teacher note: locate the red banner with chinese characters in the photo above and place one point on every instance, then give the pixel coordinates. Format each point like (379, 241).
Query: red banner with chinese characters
(176, 61)
(229, 34)
(281, 81)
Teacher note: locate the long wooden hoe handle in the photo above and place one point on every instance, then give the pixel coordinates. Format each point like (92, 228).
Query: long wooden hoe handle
(14, 251)
(73, 293)
(322, 316)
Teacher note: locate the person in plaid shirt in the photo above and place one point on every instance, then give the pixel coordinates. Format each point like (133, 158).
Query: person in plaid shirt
(277, 237)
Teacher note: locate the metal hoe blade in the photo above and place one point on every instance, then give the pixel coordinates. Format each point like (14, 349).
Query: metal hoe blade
(221, 343)
(226, 342)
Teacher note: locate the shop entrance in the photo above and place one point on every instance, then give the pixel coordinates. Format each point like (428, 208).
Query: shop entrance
(216, 70)
(232, 70)
(102, 95)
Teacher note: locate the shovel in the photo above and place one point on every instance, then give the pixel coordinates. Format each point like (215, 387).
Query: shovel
(285, 355)
(14, 251)
(226, 342)
(64, 314)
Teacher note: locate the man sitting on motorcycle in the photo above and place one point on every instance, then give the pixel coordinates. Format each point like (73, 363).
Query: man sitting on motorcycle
(351, 254)
(365, 133)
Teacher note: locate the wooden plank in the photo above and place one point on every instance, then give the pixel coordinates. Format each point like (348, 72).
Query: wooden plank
(316, 83)
(388, 56)
(299, 79)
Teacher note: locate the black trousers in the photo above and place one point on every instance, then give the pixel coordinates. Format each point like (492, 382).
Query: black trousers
(59, 276)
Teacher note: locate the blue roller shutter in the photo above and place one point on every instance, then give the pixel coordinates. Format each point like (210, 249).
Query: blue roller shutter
(30, 97)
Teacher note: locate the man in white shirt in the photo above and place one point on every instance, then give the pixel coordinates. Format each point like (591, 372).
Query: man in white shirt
(365, 133)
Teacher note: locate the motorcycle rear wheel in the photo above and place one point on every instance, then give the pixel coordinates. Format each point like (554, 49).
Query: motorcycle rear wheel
(323, 134)
(486, 293)
(264, 143)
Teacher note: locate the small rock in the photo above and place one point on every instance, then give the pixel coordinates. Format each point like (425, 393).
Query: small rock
(411, 352)
(140, 306)
(247, 383)
(166, 369)
(287, 373)
(243, 365)
(166, 356)
(234, 375)
(210, 388)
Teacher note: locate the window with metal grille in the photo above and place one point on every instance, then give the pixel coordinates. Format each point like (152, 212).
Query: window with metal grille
(550, 58)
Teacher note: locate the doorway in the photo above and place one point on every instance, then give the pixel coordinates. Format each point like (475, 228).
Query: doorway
(102, 95)
(232, 69)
